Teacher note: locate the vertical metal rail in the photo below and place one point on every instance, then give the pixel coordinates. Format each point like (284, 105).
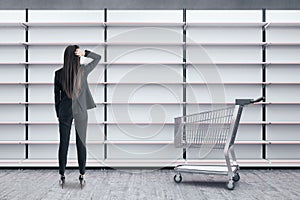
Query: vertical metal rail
(184, 76)
(105, 85)
(26, 86)
(264, 78)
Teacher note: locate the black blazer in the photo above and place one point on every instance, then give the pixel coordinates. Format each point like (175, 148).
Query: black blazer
(64, 106)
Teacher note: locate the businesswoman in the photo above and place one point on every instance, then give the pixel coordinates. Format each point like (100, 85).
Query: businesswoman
(72, 100)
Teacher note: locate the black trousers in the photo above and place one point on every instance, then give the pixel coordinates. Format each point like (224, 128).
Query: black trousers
(65, 124)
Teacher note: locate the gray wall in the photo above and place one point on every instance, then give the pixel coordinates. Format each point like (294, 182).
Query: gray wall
(150, 4)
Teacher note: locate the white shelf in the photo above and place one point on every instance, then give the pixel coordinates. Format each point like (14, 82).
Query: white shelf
(156, 63)
(23, 142)
(11, 63)
(226, 63)
(11, 24)
(42, 63)
(131, 142)
(11, 43)
(136, 142)
(283, 63)
(294, 142)
(154, 83)
(154, 103)
(282, 123)
(283, 24)
(140, 123)
(62, 43)
(64, 24)
(283, 44)
(152, 43)
(226, 43)
(144, 24)
(281, 103)
(149, 162)
(144, 63)
(161, 63)
(226, 24)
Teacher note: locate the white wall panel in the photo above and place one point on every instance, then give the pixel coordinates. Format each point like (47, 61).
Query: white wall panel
(153, 93)
(224, 15)
(222, 53)
(12, 93)
(12, 132)
(144, 152)
(285, 53)
(147, 53)
(221, 93)
(48, 93)
(42, 113)
(66, 16)
(249, 132)
(251, 113)
(242, 152)
(35, 92)
(12, 151)
(283, 113)
(55, 53)
(14, 54)
(12, 113)
(223, 73)
(95, 152)
(43, 132)
(42, 73)
(145, 34)
(283, 73)
(283, 93)
(12, 34)
(223, 34)
(46, 113)
(143, 113)
(51, 132)
(37, 151)
(283, 15)
(144, 73)
(144, 16)
(12, 73)
(141, 132)
(283, 132)
(283, 152)
(72, 35)
(12, 16)
(290, 34)
(49, 151)
(95, 132)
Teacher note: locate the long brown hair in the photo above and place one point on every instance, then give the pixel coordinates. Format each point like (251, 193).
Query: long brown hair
(70, 69)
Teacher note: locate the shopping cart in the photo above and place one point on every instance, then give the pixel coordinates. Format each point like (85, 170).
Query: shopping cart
(212, 130)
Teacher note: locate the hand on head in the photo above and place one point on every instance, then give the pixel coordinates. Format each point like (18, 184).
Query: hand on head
(79, 52)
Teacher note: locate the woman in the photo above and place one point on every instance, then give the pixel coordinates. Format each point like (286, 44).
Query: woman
(72, 100)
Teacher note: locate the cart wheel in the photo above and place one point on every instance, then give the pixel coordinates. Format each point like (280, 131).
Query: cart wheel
(230, 185)
(178, 178)
(236, 177)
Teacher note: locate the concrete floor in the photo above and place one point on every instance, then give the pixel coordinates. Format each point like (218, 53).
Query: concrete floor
(147, 184)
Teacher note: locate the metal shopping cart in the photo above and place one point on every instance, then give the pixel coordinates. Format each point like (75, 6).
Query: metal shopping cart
(211, 130)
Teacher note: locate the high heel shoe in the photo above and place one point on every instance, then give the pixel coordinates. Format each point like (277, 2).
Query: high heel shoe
(62, 181)
(82, 181)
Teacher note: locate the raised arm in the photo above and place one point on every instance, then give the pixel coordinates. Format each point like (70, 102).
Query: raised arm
(96, 58)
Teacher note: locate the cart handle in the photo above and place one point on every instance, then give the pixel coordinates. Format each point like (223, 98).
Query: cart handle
(258, 100)
(243, 102)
